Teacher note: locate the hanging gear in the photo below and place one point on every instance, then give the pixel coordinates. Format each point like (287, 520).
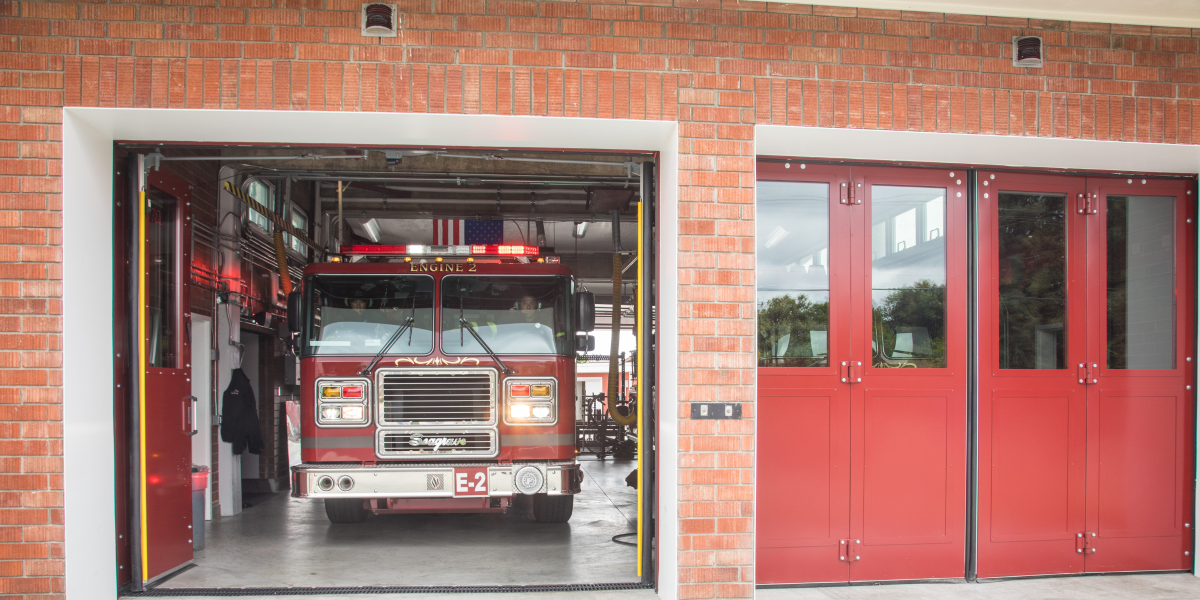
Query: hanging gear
(239, 415)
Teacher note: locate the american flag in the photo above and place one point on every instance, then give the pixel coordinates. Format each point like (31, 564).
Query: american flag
(448, 232)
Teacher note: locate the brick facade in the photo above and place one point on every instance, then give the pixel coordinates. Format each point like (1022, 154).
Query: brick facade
(717, 67)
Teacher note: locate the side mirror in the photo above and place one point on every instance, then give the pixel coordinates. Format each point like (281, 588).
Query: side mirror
(293, 312)
(585, 311)
(585, 343)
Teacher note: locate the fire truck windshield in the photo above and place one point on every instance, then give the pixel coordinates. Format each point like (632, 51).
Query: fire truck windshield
(357, 314)
(513, 314)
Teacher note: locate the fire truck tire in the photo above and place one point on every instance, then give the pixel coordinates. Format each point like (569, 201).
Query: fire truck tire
(553, 509)
(346, 510)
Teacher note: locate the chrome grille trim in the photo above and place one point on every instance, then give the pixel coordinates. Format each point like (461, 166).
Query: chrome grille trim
(477, 442)
(431, 396)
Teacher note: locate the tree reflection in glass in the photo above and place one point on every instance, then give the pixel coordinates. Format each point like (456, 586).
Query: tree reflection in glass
(908, 277)
(1032, 265)
(792, 259)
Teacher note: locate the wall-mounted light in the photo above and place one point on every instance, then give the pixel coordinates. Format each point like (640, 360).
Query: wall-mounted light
(380, 20)
(1027, 51)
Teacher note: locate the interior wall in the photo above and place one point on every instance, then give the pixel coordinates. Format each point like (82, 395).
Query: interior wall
(202, 442)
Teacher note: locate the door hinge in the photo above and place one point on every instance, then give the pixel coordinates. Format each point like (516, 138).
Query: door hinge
(1088, 204)
(844, 195)
(849, 550)
(855, 196)
(851, 372)
(1085, 375)
(1085, 542)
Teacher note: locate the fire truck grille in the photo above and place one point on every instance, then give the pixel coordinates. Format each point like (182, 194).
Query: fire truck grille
(438, 443)
(437, 397)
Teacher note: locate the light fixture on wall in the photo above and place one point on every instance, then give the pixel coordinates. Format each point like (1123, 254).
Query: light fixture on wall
(380, 20)
(1027, 51)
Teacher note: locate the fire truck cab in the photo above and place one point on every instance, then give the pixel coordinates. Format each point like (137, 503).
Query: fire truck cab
(438, 379)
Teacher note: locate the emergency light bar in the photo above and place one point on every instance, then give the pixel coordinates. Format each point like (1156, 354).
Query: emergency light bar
(422, 250)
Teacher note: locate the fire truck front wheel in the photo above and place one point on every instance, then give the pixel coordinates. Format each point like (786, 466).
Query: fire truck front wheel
(553, 509)
(346, 510)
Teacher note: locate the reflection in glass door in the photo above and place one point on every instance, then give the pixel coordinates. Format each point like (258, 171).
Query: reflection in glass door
(793, 274)
(908, 277)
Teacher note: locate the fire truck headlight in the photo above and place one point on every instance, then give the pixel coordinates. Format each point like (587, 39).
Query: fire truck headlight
(530, 401)
(343, 402)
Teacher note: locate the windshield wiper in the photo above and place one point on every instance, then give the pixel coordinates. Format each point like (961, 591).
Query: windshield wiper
(475, 334)
(408, 321)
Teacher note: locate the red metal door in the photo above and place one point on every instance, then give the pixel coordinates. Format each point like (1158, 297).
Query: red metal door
(1032, 413)
(803, 482)
(908, 412)
(1139, 397)
(168, 418)
(861, 466)
(1084, 408)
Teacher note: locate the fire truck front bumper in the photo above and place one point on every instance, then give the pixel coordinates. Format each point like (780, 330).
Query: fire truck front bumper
(458, 480)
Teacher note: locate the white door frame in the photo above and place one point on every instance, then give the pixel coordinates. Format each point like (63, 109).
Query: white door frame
(88, 136)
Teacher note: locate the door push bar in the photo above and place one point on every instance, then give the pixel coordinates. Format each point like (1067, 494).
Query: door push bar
(190, 415)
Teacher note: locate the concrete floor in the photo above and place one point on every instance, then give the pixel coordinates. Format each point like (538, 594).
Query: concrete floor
(1163, 586)
(1173, 586)
(286, 542)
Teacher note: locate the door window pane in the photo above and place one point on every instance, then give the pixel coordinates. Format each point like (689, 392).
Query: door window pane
(908, 276)
(161, 326)
(1032, 252)
(792, 241)
(1141, 282)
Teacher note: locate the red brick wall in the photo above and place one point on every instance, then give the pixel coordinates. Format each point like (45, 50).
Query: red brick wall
(716, 66)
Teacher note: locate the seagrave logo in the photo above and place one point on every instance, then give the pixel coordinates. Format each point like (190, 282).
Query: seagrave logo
(418, 439)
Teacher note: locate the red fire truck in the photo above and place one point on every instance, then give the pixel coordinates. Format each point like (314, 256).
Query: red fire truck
(438, 379)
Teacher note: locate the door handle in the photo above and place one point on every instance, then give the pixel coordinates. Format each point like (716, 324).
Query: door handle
(191, 414)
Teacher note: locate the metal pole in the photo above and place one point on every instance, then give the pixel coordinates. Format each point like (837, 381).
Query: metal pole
(341, 222)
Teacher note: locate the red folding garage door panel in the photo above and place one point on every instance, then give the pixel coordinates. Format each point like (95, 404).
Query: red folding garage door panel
(1139, 509)
(909, 427)
(803, 487)
(879, 490)
(1031, 495)
(1032, 393)
(908, 484)
(168, 418)
(1136, 511)
(1085, 399)
(803, 481)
